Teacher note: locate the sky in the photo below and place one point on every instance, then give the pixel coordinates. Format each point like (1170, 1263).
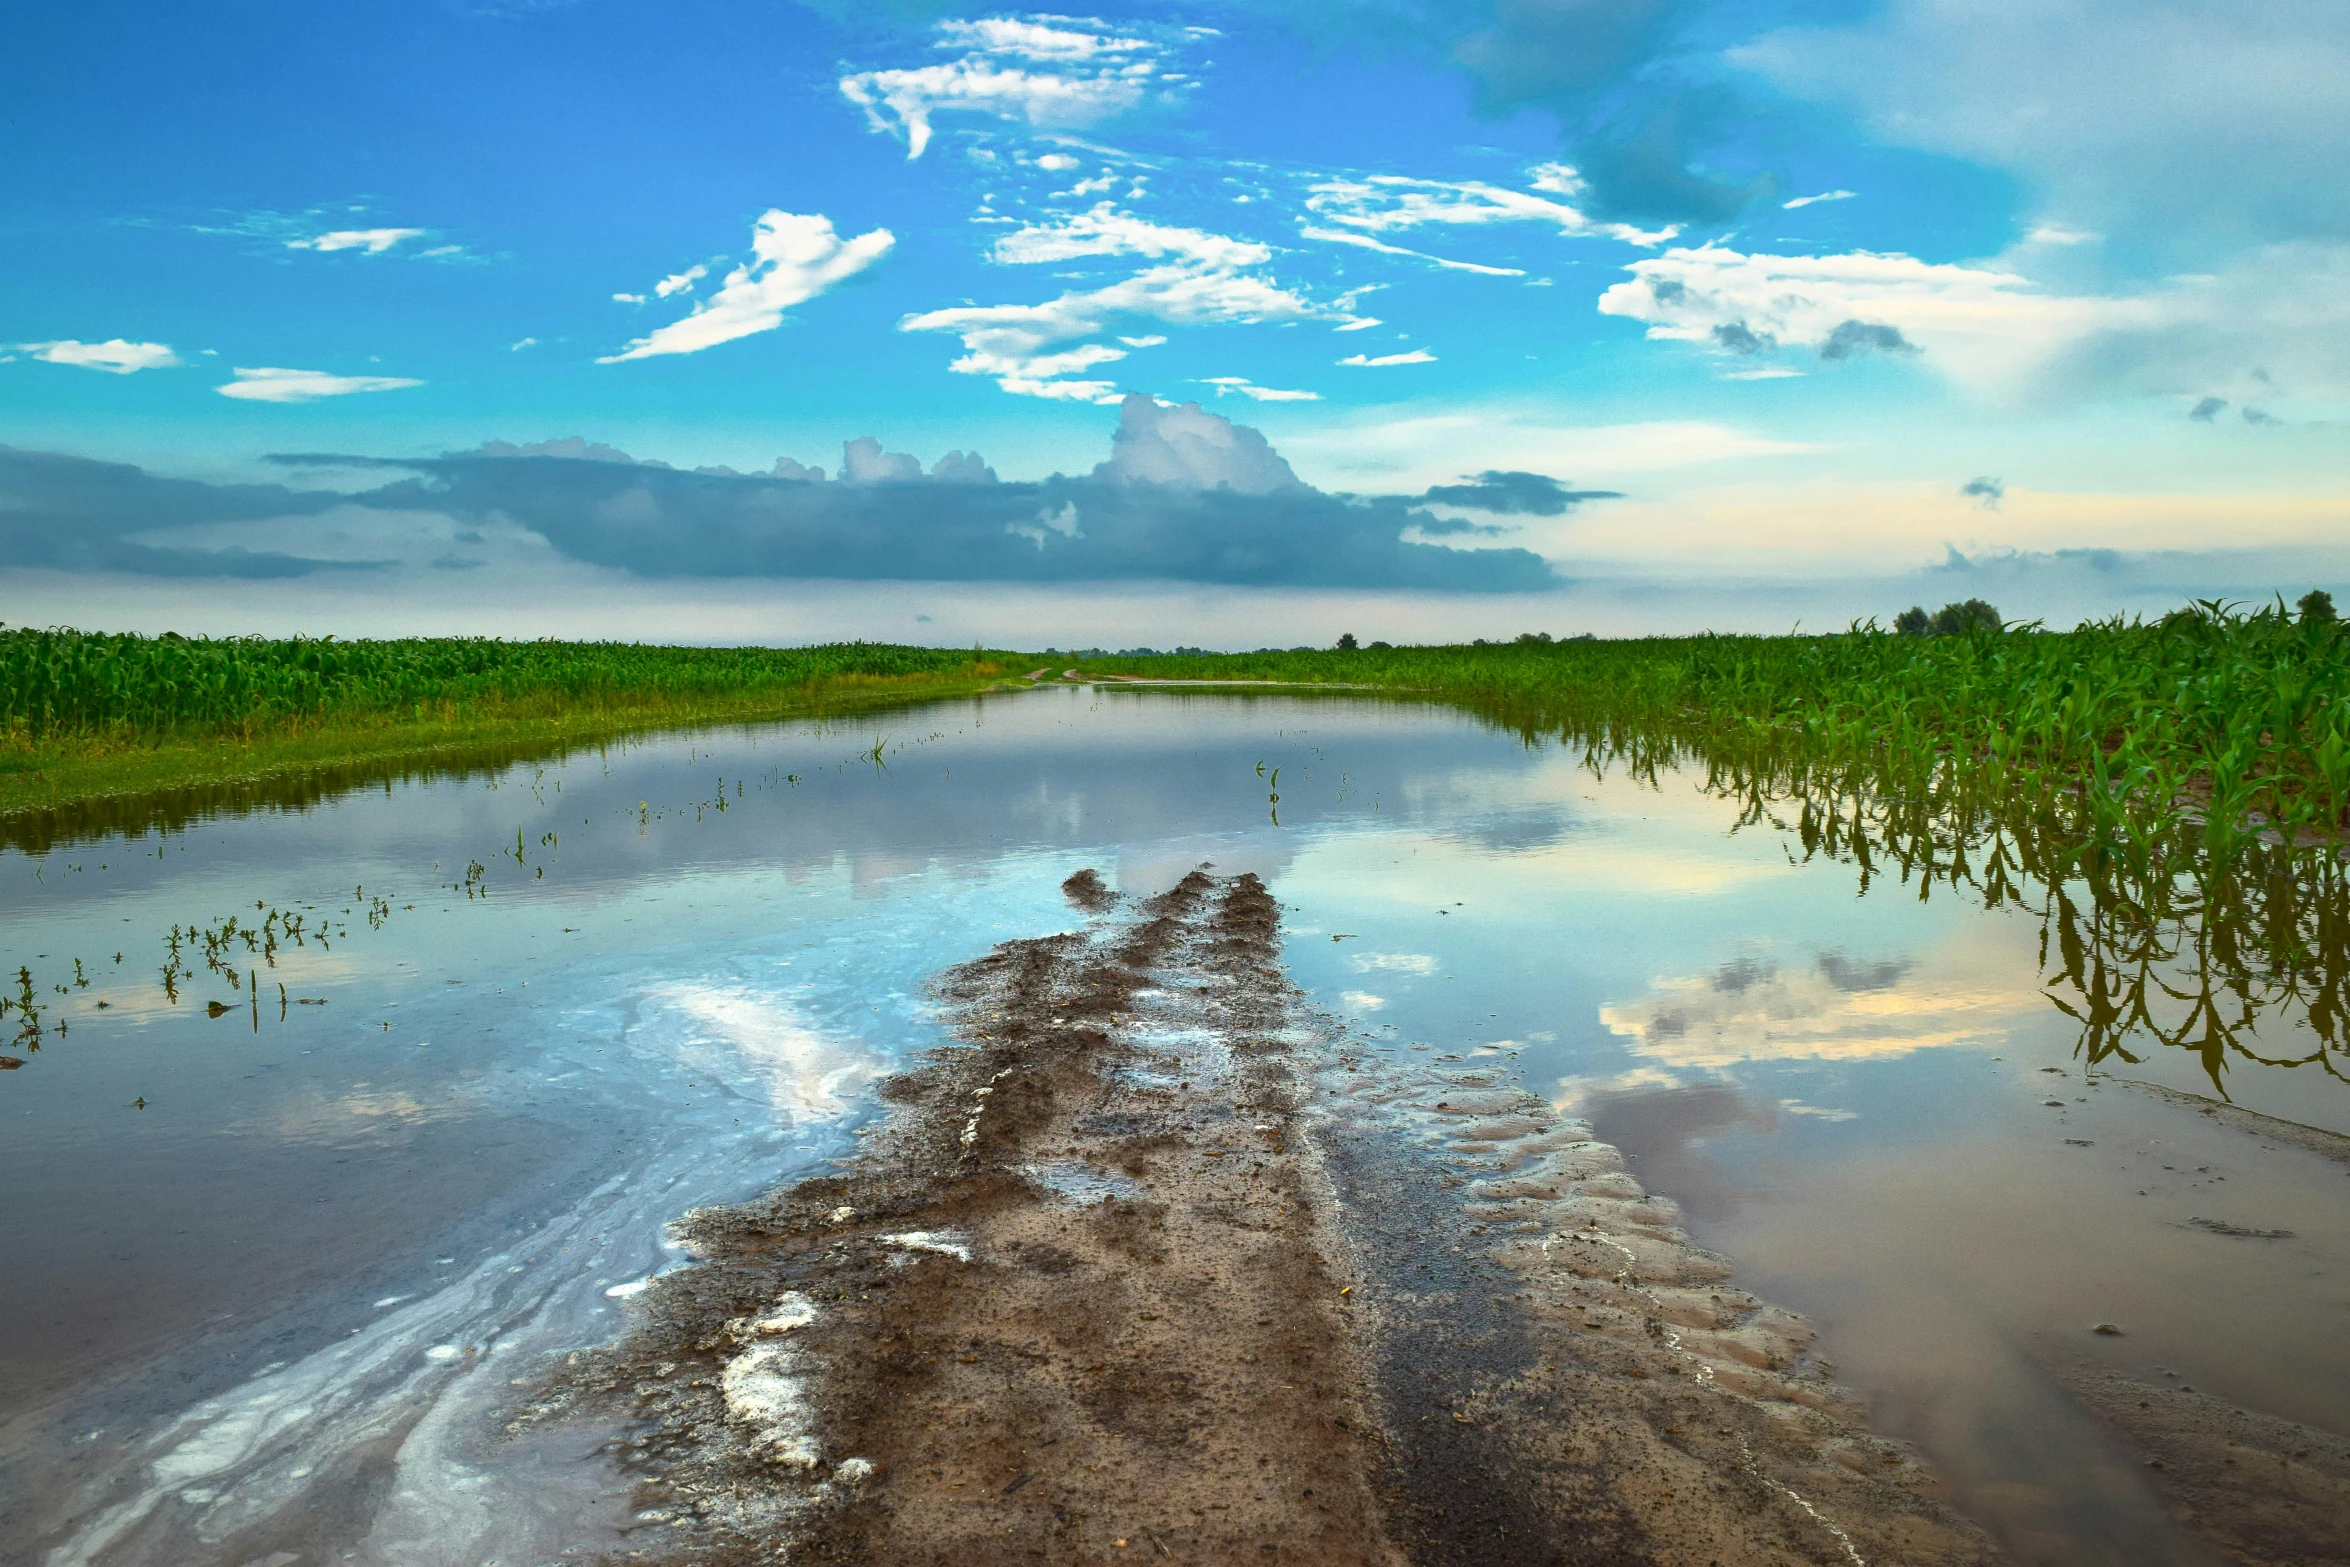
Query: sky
(1205, 324)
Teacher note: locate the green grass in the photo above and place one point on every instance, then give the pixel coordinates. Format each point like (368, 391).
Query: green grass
(86, 716)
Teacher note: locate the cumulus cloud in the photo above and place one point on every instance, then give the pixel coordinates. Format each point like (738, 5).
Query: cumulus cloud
(115, 356)
(1189, 448)
(1998, 331)
(1047, 72)
(1982, 320)
(680, 282)
(272, 384)
(1515, 494)
(1418, 356)
(373, 241)
(1042, 350)
(796, 256)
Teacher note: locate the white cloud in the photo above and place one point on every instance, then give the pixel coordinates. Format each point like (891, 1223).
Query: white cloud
(681, 282)
(628, 299)
(1263, 394)
(1383, 203)
(1086, 78)
(1810, 201)
(1418, 356)
(2058, 234)
(374, 241)
(1035, 39)
(1056, 163)
(1107, 232)
(1366, 242)
(1030, 350)
(1982, 323)
(115, 356)
(275, 385)
(528, 342)
(798, 256)
(1359, 323)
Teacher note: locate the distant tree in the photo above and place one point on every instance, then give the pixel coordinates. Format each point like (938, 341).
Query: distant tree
(1347, 642)
(2317, 608)
(1913, 621)
(1381, 647)
(1533, 638)
(1956, 620)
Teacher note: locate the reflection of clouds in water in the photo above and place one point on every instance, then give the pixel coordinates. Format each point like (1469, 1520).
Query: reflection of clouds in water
(810, 1075)
(1833, 1009)
(1392, 962)
(1574, 1093)
(359, 1117)
(1362, 1001)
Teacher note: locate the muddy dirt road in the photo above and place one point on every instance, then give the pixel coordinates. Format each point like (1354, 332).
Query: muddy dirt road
(1143, 1270)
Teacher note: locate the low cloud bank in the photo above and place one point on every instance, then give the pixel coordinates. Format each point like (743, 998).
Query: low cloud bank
(1186, 496)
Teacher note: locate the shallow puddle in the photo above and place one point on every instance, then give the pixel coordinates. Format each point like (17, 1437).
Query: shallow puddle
(278, 1261)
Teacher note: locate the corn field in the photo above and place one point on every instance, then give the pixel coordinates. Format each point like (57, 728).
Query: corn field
(61, 683)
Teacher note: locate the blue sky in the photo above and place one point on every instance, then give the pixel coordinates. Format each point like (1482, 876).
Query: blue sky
(1818, 309)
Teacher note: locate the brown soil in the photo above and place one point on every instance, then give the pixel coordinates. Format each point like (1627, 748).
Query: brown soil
(1114, 1280)
(2262, 1490)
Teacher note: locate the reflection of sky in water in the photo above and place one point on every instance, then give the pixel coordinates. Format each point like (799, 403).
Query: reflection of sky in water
(1851, 1097)
(503, 1100)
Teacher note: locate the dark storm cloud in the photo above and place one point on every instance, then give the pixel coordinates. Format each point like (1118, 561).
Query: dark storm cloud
(1736, 336)
(1513, 494)
(1854, 338)
(74, 514)
(1230, 523)
(661, 522)
(2208, 409)
(1987, 491)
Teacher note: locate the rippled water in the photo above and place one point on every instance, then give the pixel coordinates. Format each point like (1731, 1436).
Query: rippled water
(273, 1272)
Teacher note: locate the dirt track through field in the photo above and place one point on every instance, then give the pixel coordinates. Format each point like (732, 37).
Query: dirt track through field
(1154, 1266)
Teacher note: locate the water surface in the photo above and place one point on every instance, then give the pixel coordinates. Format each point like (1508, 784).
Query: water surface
(274, 1271)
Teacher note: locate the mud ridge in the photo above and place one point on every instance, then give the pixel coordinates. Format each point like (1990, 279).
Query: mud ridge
(1156, 1264)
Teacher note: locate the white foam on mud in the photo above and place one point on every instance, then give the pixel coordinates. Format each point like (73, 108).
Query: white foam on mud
(765, 1391)
(947, 1243)
(716, 1086)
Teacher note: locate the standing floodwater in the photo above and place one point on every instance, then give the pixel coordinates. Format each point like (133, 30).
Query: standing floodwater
(281, 1260)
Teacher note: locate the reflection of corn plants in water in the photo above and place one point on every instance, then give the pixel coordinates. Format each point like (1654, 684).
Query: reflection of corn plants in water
(2155, 931)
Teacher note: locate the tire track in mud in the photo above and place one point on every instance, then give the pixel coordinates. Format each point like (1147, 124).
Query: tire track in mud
(1156, 1266)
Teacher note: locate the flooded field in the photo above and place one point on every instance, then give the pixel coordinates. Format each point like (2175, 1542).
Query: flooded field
(338, 1130)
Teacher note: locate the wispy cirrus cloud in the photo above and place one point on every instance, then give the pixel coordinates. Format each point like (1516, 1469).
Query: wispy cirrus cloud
(115, 356)
(1048, 72)
(1417, 356)
(1389, 203)
(273, 384)
(796, 256)
(1242, 385)
(373, 241)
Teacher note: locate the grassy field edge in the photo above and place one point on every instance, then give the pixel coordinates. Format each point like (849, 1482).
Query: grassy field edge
(58, 774)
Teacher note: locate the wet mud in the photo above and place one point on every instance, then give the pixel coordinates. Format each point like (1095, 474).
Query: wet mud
(1158, 1264)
